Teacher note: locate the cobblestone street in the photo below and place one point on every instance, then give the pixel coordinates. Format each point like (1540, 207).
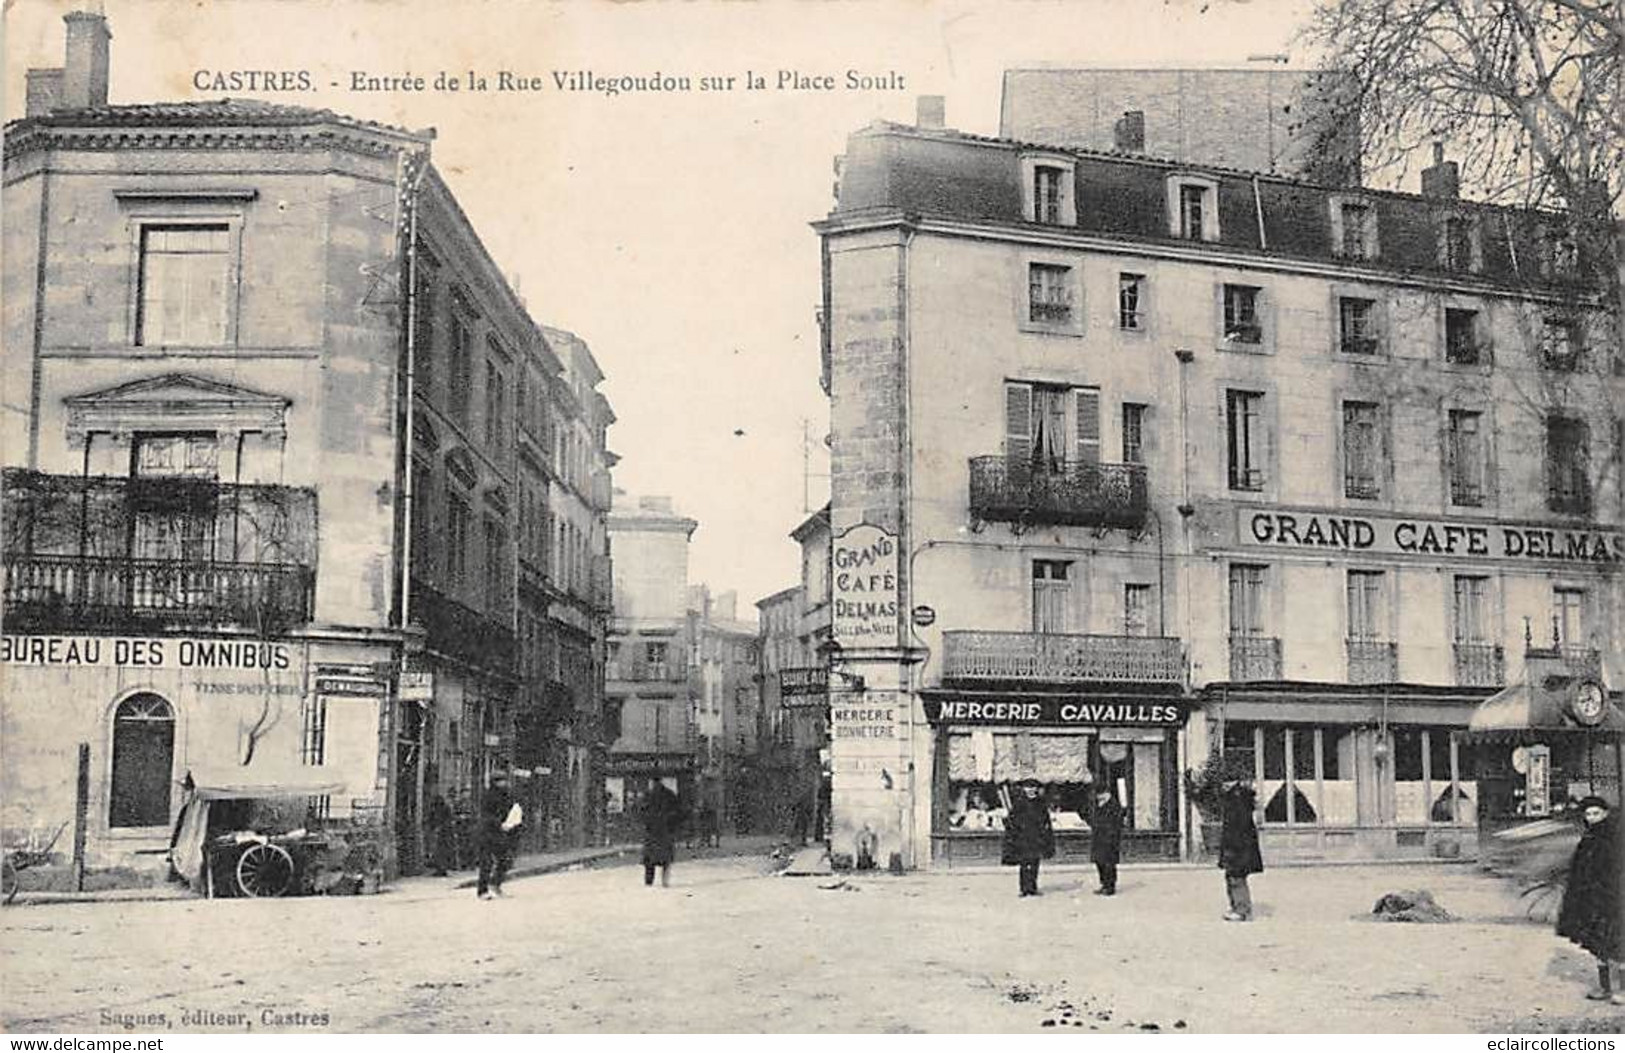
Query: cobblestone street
(731, 947)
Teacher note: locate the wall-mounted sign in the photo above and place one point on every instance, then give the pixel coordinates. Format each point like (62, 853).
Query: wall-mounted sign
(417, 687)
(1312, 531)
(145, 652)
(1054, 712)
(803, 686)
(1537, 782)
(924, 616)
(864, 589)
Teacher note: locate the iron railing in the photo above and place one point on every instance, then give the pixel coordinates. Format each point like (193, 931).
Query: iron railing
(1061, 657)
(1480, 665)
(1373, 661)
(1074, 493)
(1255, 658)
(51, 591)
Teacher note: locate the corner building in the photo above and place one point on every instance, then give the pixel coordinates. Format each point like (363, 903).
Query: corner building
(1134, 460)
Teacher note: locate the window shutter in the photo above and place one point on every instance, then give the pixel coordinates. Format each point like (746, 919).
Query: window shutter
(1018, 420)
(1088, 415)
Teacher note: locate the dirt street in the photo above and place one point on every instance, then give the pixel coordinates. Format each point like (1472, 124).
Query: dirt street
(732, 948)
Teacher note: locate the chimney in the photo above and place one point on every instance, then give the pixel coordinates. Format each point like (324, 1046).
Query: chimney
(44, 91)
(1128, 134)
(1443, 179)
(931, 111)
(84, 80)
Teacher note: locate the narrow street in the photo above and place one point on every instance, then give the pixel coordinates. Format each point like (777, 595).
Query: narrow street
(731, 947)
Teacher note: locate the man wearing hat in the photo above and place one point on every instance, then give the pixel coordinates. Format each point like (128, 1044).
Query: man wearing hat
(1590, 914)
(1239, 855)
(495, 838)
(1028, 836)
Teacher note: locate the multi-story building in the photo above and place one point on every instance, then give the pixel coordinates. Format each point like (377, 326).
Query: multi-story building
(649, 682)
(1262, 118)
(795, 678)
(1134, 458)
(221, 550)
(728, 716)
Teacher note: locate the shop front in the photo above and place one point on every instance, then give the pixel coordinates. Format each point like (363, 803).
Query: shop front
(1353, 773)
(107, 734)
(1073, 745)
(1546, 743)
(628, 779)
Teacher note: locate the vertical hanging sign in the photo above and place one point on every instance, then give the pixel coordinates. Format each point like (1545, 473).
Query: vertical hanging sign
(864, 589)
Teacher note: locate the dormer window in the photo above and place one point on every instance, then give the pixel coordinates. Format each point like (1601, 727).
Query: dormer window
(1459, 248)
(1193, 208)
(1047, 190)
(1354, 229)
(1559, 255)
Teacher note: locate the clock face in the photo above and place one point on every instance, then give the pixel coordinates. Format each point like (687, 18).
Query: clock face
(1589, 702)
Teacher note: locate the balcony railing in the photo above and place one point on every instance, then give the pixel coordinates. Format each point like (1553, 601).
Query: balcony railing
(1373, 661)
(1255, 658)
(1480, 665)
(1061, 658)
(672, 670)
(59, 592)
(1074, 493)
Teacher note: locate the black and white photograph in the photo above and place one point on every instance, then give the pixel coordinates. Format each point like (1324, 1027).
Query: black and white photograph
(858, 518)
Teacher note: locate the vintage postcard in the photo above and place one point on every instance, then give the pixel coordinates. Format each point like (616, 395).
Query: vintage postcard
(928, 516)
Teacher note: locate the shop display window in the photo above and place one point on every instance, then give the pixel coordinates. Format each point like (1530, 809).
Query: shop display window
(985, 764)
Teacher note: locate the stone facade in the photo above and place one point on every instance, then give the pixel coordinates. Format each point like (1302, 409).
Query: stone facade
(1083, 419)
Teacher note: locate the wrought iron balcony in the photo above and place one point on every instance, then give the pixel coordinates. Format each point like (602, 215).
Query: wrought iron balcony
(1255, 658)
(1061, 658)
(62, 592)
(1480, 665)
(1071, 493)
(111, 552)
(1373, 661)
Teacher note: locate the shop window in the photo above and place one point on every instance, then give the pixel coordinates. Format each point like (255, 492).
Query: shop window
(313, 731)
(984, 764)
(143, 759)
(1410, 806)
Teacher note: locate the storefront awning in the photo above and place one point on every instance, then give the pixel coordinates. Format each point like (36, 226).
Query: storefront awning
(1531, 711)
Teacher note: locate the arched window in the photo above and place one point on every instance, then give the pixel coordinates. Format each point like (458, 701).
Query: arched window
(143, 755)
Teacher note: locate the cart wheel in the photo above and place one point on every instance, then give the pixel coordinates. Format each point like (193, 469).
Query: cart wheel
(264, 870)
(8, 880)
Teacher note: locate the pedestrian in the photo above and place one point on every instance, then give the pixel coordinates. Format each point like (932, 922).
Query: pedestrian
(496, 808)
(1106, 839)
(1590, 913)
(1028, 835)
(1238, 845)
(438, 825)
(662, 816)
(801, 821)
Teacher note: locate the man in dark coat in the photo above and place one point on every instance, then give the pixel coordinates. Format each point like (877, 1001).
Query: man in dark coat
(494, 841)
(662, 818)
(1238, 847)
(1590, 914)
(1106, 839)
(1028, 836)
(438, 828)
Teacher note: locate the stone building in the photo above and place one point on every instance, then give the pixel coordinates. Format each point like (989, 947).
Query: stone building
(650, 679)
(729, 719)
(221, 555)
(1135, 459)
(1262, 118)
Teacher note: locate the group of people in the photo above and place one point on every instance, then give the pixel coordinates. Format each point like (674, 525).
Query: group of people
(1590, 915)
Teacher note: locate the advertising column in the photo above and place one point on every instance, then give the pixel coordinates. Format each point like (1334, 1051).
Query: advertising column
(870, 716)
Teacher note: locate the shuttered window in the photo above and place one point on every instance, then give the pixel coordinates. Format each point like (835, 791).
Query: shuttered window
(1088, 418)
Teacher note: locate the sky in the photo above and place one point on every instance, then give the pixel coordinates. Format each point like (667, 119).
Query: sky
(668, 229)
